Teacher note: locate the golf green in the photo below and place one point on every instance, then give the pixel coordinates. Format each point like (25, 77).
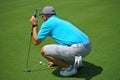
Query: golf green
(100, 19)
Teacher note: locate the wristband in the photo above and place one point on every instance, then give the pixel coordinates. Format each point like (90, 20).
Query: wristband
(34, 25)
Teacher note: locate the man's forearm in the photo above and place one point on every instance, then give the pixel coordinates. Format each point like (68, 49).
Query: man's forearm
(35, 33)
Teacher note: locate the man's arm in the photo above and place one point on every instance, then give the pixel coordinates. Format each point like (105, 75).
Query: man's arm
(33, 21)
(35, 39)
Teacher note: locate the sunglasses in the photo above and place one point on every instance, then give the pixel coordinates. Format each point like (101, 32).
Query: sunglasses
(42, 16)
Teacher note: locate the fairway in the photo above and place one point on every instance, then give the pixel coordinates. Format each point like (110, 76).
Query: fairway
(100, 19)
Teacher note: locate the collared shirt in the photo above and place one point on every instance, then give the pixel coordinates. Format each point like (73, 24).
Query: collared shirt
(63, 32)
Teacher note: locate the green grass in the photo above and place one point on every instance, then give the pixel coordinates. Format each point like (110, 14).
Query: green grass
(100, 19)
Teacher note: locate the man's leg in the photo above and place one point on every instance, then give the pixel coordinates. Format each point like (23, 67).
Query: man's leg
(55, 60)
(57, 54)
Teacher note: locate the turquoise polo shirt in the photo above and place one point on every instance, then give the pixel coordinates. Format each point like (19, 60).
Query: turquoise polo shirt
(63, 32)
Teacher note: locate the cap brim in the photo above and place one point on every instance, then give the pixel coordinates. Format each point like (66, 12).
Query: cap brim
(46, 14)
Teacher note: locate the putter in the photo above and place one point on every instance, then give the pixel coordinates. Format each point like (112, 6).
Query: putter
(27, 69)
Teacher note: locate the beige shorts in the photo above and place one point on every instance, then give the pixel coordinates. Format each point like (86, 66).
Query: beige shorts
(67, 53)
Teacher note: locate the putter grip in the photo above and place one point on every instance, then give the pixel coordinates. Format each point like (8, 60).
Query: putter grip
(35, 13)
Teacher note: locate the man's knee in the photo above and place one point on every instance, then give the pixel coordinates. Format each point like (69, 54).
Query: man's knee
(42, 51)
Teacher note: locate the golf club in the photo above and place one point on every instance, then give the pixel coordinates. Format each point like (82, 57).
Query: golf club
(27, 69)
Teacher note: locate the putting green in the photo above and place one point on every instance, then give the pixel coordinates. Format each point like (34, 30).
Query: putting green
(98, 18)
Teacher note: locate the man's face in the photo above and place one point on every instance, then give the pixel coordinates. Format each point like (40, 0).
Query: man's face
(45, 17)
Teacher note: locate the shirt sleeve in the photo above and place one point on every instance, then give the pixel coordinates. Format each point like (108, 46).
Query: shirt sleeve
(43, 32)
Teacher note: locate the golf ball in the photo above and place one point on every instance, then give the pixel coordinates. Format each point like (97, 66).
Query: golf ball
(41, 62)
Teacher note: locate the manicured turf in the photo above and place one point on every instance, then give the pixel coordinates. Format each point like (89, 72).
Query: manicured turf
(100, 19)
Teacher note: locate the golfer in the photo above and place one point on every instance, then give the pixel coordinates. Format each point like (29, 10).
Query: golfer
(70, 41)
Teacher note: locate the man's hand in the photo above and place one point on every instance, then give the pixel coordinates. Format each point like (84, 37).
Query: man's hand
(33, 20)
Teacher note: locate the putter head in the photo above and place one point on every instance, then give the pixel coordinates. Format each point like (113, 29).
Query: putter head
(27, 70)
